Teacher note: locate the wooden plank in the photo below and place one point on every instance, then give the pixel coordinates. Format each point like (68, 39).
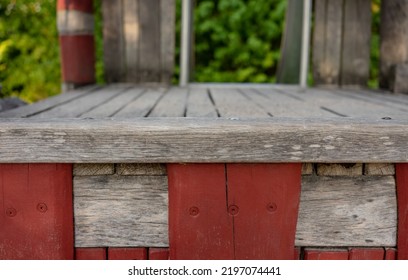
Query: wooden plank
(114, 105)
(93, 169)
(90, 254)
(149, 48)
(347, 211)
(199, 104)
(379, 169)
(336, 169)
(231, 103)
(366, 254)
(37, 216)
(327, 42)
(113, 41)
(127, 254)
(141, 106)
(78, 107)
(131, 33)
(307, 168)
(401, 172)
(159, 253)
(325, 254)
(263, 200)
(173, 104)
(139, 169)
(158, 140)
(167, 39)
(355, 57)
(199, 228)
(123, 223)
(48, 103)
(390, 254)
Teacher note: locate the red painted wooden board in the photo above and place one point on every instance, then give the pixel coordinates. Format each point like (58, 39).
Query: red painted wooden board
(390, 254)
(127, 254)
(158, 253)
(36, 217)
(78, 5)
(266, 198)
(401, 171)
(317, 254)
(90, 254)
(199, 224)
(366, 254)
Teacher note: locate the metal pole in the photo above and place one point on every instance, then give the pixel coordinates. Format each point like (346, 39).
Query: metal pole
(186, 29)
(304, 67)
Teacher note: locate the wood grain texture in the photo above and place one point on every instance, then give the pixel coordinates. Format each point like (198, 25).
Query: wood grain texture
(379, 169)
(390, 254)
(333, 169)
(93, 169)
(120, 211)
(167, 39)
(401, 174)
(347, 211)
(158, 253)
(307, 168)
(90, 254)
(158, 140)
(355, 57)
(366, 254)
(141, 169)
(199, 104)
(325, 254)
(36, 217)
(131, 33)
(127, 253)
(173, 104)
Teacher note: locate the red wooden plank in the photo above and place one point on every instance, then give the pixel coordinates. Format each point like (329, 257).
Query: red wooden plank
(199, 224)
(127, 254)
(37, 215)
(158, 253)
(263, 200)
(317, 254)
(390, 254)
(366, 254)
(78, 5)
(401, 172)
(90, 254)
(297, 253)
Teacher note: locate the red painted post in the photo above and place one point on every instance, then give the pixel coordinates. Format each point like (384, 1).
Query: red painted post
(199, 224)
(401, 173)
(36, 217)
(266, 197)
(366, 254)
(127, 254)
(320, 254)
(158, 253)
(90, 254)
(390, 254)
(75, 26)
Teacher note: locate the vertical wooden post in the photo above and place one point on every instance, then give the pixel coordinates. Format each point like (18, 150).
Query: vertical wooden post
(90, 254)
(401, 172)
(36, 218)
(76, 27)
(233, 211)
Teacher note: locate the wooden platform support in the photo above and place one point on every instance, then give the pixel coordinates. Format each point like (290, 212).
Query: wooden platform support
(401, 172)
(233, 211)
(36, 217)
(76, 28)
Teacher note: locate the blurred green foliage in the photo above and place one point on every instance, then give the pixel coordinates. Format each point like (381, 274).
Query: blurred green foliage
(29, 52)
(235, 41)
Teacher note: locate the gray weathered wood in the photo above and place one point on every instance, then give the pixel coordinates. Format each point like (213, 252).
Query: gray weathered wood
(48, 103)
(355, 58)
(168, 39)
(232, 103)
(379, 169)
(346, 211)
(399, 78)
(199, 104)
(111, 107)
(93, 169)
(113, 41)
(149, 49)
(327, 40)
(307, 169)
(143, 140)
(131, 39)
(345, 169)
(114, 211)
(173, 104)
(143, 105)
(141, 169)
(120, 211)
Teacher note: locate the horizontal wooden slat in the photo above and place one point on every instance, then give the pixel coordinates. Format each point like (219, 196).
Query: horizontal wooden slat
(132, 211)
(161, 140)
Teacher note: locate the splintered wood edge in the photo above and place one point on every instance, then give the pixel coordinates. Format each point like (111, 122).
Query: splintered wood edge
(166, 140)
